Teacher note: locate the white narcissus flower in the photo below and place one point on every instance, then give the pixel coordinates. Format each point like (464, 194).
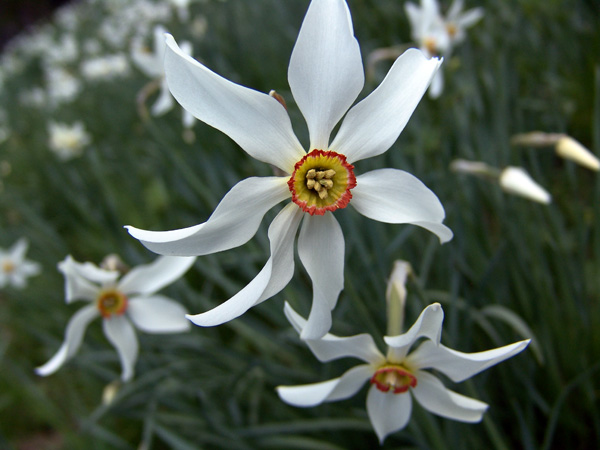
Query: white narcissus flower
(152, 64)
(67, 141)
(14, 268)
(325, 76)
(401, 375)
(122, 304)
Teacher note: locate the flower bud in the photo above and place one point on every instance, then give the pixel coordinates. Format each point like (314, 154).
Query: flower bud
(569, 148)
(515, 180)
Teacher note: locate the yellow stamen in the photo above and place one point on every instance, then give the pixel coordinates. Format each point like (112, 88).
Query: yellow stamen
(8, 267)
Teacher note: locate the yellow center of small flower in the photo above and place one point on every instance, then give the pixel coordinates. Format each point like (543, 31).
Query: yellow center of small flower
(431, 45)
(393, 377)
(321, 182)
(451, 29)
(8, 266)
(111, 302)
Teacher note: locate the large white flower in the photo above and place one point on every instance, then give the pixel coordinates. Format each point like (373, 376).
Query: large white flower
(401, 375)
(325, 76)
(14, 268)
(121, 304)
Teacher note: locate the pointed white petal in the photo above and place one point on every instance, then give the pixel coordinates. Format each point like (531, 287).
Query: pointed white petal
(469, 18)
(325, 72)
(395, 196)
(157, 314)
(232, 224)
(459, 366)
(19, 249)
(78, 287)
(73, 337)
(29, 268)
(413, 13)
(455, 9)
(388, 412)
(437, 85)
(257, 122)
(164, 102)
(150, 278)
(121, 335)
(436, 398)
(321, 250)
(373, 125)
(327, 391)
(428, 325)
(330, 347)
(274, 276)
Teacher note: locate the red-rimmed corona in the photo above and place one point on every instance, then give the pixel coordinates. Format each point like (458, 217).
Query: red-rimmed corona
(394, 378)
(111, 302)
(321, 182)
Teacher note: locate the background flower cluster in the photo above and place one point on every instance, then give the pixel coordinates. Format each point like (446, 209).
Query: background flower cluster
(82, 154)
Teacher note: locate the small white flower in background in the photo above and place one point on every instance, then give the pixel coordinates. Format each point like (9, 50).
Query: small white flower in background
(436, 35)
(14, 268)
(105, 67)
(122, 304)
(152, 65)
(61, 86)
(399, 376)
(515, 180)
(326, 76)
(67, 141)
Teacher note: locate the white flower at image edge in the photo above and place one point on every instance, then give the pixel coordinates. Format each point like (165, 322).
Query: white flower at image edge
(122, 304)
(325, 76)
(398, 377)
(14, 268)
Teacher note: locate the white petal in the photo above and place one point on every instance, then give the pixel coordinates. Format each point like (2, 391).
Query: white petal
(150, 278)
(19, 249)
(395, 196)
(434, 397)
(73, 337)
(325, 72)
(373, 125)
(437, 85)
(459, 366)
(330, 347)
(121, 335)
(256, 121)
(388, 412)
(78, 287)
(455, 9)
(321, 250)
(274, 276)
(164, 102)
(428, 325)
(232, 224)
(327, 391)
(157, 314)
(469, 18)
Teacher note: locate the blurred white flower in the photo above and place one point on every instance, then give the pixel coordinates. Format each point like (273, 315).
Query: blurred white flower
(325, 76)
(400, 375)
(14, 268)
(122, 304)
(67, 141)
(61, 86)
(569, 148)
(105, 67)
(515, 180)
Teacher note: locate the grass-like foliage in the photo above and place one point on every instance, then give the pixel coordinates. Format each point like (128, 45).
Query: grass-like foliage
(514, 270)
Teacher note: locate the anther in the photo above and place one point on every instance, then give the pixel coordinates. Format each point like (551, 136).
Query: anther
(325, 183)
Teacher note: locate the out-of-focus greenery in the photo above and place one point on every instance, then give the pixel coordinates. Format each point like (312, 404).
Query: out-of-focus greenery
(514, 269)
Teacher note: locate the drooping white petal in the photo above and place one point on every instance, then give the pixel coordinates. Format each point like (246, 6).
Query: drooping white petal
(373, 125)
(459, 366)
(413, 12)
(121, 335)
(327, 391)
(157, 314)
(164, 102)
(73, 337)
(428, 325)
(388, 412)
(436, 398)
(274, 276)
(321, 250)
(325, 72)
(395, 196)
(79, 277)
(437, 85)
(257, 122)
(232, 224)
(150, 278)
(330, 347)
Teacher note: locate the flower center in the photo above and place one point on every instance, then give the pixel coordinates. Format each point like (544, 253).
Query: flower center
(321, 182)
(8, 266)
(451, 29)
(111, 302)
(393, 377)
(430, 45)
